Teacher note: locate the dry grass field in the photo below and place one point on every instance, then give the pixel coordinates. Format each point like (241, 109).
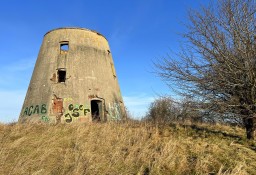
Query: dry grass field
(124, 148)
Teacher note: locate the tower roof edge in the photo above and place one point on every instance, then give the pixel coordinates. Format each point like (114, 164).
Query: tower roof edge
(77, 28)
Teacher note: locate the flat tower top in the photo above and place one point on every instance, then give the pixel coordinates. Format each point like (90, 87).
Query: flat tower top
(76, 28)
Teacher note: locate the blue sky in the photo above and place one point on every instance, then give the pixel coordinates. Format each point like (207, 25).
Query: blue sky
(138, 31)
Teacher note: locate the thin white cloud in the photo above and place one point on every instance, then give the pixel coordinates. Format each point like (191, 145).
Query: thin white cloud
(138, 104)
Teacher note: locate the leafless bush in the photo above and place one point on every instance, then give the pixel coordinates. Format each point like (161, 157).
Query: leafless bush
(163, 110)
(217, 63)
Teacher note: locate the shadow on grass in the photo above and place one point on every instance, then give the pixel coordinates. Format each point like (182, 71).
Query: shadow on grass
(206, 132)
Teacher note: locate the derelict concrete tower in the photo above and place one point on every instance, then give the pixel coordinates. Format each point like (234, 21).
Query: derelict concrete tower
(74, 80)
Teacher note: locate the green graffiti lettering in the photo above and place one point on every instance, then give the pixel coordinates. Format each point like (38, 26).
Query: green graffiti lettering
(75, 112)
(43, 109)
(86, 110)
(70, 107)
(30, 110)
(36, 110)
(68, 118)
(26, 111)
(45, 118)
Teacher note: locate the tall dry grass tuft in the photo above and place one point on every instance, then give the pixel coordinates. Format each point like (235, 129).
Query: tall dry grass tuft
(124, 148)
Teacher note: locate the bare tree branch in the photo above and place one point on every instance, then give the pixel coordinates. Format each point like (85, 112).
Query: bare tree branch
(217, 63)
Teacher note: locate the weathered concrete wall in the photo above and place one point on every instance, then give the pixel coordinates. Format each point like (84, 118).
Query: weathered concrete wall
(90, 75)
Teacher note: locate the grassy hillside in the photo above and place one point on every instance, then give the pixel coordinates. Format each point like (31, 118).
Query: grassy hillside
(127, 148)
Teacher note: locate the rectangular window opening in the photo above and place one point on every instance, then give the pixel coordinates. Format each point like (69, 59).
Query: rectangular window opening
(61, 75)
(64, 47)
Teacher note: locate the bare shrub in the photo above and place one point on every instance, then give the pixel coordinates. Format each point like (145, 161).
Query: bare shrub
(216, 64)
(163, 110)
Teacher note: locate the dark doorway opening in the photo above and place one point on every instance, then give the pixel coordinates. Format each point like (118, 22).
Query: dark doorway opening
(96, 110)
(61, 75)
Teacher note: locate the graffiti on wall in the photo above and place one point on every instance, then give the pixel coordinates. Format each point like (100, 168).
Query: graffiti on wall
(115, 111)
(45, 118)
(67, 99)
(35, 109)
(74, 111)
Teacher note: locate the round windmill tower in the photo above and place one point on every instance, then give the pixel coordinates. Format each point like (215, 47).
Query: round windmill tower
(74, 80)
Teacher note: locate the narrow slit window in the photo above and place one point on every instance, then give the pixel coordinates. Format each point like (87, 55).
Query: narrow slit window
(61, 75)
(113, 69)
(64, 47)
